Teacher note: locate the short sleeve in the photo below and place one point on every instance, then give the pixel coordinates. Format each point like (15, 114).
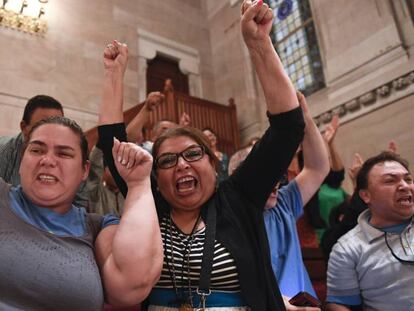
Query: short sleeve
(110, 219)
(353, 300)
(342, 275)
(290, 199)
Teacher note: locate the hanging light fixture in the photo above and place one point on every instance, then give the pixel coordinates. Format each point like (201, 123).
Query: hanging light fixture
(24, 15)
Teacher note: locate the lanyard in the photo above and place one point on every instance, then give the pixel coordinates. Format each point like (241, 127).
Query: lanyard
(208, 254)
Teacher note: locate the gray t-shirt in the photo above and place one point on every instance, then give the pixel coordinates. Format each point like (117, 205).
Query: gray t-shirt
(42, 271)
(362, 264)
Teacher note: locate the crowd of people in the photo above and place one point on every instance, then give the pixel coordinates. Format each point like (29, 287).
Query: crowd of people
(172, 223)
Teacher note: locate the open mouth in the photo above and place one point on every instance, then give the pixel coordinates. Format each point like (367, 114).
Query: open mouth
(405, 200)
(186, 184)
(48, 179)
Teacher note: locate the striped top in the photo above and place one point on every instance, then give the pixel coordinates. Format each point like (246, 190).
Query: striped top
(224, 276)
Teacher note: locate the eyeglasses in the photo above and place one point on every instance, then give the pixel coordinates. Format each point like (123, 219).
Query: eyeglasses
(191, 154)
(398, 250)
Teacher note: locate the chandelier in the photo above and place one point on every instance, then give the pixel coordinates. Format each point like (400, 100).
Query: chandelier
(24, 15)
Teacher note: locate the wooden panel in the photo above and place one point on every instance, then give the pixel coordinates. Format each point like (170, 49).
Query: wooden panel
(220, 118)
(161, 68)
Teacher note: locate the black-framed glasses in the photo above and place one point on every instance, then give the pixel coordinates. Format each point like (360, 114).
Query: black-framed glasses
(191, 154)
(397, 249)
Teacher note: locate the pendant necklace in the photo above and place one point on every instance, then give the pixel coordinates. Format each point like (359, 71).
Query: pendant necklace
(186, 303)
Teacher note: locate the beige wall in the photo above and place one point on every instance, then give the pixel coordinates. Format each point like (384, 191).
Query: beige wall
(233, 72)
(366, 49)
(67, 64)
(372, 133)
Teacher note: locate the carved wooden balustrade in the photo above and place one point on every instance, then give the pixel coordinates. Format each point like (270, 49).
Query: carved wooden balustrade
(203, 113)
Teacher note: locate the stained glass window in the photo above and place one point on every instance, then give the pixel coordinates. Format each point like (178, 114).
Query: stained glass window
(293, 35)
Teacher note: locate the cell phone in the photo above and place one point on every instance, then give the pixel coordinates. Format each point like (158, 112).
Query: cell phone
(304, 299)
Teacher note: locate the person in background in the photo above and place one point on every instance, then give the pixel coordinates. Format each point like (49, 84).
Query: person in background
(162, 126)
(331, 194)
(238, 157)
(137, 124)
(37, 108)
(221, 156)
(55, 255)
(241, 154)
(103, 193)
(285, 205)
(158, 128)
(214, 237)
(372, 266)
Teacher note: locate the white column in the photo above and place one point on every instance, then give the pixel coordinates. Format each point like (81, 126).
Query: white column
(194, 83)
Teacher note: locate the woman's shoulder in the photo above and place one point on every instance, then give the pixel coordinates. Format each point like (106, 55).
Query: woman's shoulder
(101, 221)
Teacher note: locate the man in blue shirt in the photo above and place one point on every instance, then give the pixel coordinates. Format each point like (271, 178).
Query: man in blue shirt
(285, 205)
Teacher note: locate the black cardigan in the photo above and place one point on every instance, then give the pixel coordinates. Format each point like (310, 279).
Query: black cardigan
(239, 201)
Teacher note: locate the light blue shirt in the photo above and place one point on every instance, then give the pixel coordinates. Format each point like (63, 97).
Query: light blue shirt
(285, 251)
(71, 223)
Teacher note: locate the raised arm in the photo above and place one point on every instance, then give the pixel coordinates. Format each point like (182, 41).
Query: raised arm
(329, 136)
(136, 125)
(392, 146)
(185, 119)
(130, 255)
(271, 155)
(315, 156)
(115, 60)
(111, 115)
(256, 24)
(354, 168)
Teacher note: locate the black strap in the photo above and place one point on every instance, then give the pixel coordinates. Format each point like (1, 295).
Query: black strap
(208, 252)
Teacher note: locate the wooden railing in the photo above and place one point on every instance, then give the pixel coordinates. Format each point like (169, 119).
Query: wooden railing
(203, 113)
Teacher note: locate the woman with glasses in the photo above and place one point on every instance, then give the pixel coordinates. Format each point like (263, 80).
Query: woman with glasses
(216, 255)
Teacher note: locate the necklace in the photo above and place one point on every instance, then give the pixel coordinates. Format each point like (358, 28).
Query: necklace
(186, 303)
